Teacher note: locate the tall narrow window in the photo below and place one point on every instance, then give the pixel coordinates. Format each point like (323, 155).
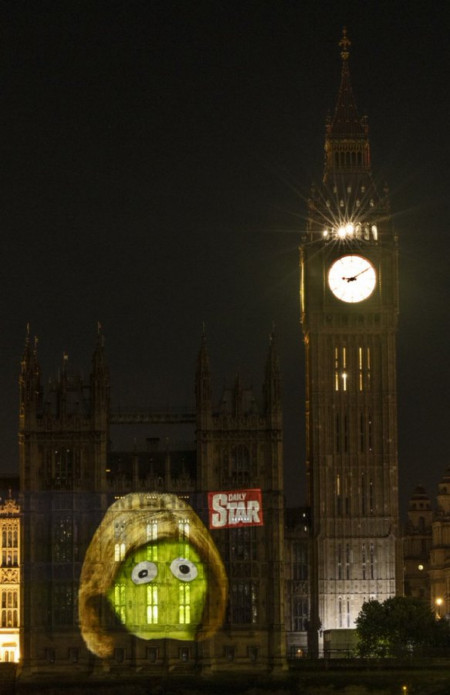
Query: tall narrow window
(120, 592)
(363, 558)
(344, 367)
(62, 539)
(360, 369)
(152, 604)
(243, 602)
(300, 614)
(347, 561)
(184, 603)
(363, 494)
(300, 559)
(372, 561)
(119, 545)
(340, 366)
(339, 561)
(340, 612)
(336, 369)
(338, 495)
(152, 537)
(371, 497)
(63, 602)
(183, 535)
(362, 433)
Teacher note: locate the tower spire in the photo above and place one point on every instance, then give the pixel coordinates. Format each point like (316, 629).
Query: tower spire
(346, 120)
(345, 44)
(347, 148)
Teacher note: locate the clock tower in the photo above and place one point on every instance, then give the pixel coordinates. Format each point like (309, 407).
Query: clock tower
(349, 308)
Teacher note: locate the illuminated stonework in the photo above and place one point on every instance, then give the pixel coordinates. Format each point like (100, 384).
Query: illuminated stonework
(349, 305)
(9, 580)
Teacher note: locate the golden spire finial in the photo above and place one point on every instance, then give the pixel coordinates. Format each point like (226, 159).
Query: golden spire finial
(345, 44)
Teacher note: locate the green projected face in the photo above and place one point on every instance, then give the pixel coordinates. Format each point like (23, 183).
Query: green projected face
(160, 590)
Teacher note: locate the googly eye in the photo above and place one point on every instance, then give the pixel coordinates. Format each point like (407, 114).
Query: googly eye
(183, 569)
(144, 572)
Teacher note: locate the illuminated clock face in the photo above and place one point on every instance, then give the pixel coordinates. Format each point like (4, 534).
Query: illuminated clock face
(352, 278)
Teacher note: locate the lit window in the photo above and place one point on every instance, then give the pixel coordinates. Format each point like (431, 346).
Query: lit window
(119, 552)
(152, 604)
(152, 537)
(360, 367)
(120, 601)
(185, 604)
(183, 534)
(119, 535)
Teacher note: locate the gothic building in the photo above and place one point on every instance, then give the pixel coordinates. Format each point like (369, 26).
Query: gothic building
(69, 477)
(417, 545)
(349, 296)
(9, 574)
(297, 573)
(439, 567)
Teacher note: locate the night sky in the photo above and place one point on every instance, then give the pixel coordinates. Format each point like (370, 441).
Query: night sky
(156, 157)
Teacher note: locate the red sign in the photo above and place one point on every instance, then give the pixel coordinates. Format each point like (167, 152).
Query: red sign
(235, 508)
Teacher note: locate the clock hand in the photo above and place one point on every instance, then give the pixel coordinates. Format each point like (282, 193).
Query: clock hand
(353, 278)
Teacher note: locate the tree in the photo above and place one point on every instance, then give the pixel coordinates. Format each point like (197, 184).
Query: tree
(399, 626)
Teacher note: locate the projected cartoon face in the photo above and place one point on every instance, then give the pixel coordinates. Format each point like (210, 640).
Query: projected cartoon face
(156, 567)
(160, 591)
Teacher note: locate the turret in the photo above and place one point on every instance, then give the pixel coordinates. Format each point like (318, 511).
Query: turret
(443, 496)
(203, 386)
(420, 513)
(30, 382)
(272, 384)
(100, 381)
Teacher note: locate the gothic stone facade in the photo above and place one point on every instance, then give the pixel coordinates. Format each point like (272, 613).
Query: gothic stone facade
(349, 293)
(69, 477)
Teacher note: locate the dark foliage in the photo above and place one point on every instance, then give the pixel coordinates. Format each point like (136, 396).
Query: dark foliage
(400, 626)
